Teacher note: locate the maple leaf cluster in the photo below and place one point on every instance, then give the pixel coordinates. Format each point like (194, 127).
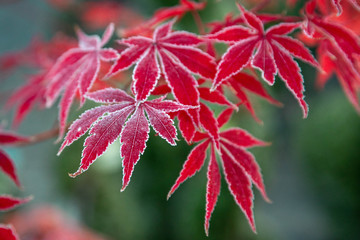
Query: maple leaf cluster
(186, 72)
(338, 46)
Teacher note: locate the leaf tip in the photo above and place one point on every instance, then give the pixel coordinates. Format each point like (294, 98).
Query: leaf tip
(28, 199)
(235, 107)
(123, 188)
(125, 184)
(64, 145)
(264, 195)
(168, 196)
(109, 75)
(207, 230)
(18, 183)
(252, 222)
(268, 200)
(172, 190)
(305, 108)
(111, 27)
(173, 143)
(213, 88)
(241, 8)
(77, 173)
(77, 29)
(61, 134)
(277, 103)
(257, 119)
(48, 103)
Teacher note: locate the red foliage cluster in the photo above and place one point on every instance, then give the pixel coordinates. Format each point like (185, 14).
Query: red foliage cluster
(7, 202)
(338, 45)
(175, 65)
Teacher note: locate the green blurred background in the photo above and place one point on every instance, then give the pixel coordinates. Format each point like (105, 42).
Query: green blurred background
(311, 170)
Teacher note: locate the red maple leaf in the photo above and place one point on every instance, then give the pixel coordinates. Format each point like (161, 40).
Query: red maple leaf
(38, 54)
(9, 138)
(7, 232)
(240, 168)
(7, 166)
(348, 17)
(76, 70)
(174, 55)
(337, 4)
(274, 53)
(24, 57)
(332, 5)
(41, 55)
(9, 202)
(108, 122)
(339, 51)
(27, 96)
(333, 61)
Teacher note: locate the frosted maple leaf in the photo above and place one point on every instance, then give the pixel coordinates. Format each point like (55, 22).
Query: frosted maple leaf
(240, 167)
(172, 53)
(109, 122)
(339, 51)
(274, 53)
(76, 70)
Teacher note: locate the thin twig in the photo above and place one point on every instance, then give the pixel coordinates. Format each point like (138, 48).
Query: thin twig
(199, 23)
(260, 6)
(39, 137)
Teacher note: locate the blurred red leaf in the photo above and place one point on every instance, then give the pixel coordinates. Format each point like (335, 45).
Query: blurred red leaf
(76, 70)
(8, 167)
(9, 202)
(7, 232)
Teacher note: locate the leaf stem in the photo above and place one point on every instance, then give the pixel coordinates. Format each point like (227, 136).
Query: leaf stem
(199, 23)
(260, 6)
(40, 137)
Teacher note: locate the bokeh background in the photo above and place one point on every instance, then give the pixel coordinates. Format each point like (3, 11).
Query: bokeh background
(311, 170)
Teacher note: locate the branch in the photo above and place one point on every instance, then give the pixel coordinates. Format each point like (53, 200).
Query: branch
(39, 137)
(199, 23)
(260, 6)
